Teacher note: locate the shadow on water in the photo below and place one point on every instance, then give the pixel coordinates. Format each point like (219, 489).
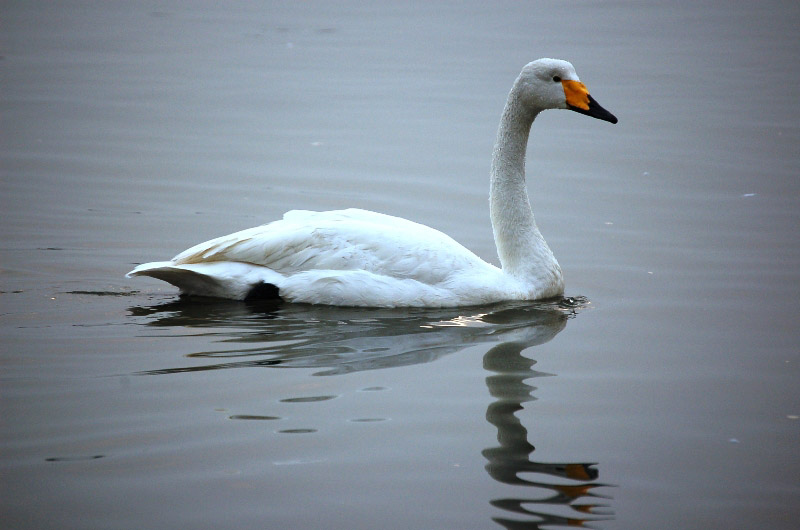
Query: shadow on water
(343, 340)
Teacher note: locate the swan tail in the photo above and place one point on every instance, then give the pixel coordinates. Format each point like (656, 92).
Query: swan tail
(234, 281)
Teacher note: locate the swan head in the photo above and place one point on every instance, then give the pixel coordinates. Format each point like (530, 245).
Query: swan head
(553, 84)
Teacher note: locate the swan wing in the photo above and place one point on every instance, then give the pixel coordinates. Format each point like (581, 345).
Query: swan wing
(346, 257)
(342, 240)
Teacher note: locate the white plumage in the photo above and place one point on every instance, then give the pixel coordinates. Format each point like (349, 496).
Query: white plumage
(361, 258)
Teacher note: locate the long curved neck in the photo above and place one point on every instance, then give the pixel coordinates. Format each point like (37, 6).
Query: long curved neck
(521, 248)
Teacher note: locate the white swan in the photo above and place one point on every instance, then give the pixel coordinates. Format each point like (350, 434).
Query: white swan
(361, 258)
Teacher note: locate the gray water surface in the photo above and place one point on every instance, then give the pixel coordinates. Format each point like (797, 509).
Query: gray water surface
(664, 394)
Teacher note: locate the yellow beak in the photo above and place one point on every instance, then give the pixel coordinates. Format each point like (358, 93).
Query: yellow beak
(579, 100)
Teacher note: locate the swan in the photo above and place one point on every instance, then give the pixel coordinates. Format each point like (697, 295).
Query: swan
(357, 257)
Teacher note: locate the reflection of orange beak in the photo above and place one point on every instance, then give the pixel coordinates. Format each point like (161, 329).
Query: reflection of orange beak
(579, 100)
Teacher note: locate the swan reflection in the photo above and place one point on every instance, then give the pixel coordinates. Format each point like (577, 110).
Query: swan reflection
(344, 340)
(559, 484)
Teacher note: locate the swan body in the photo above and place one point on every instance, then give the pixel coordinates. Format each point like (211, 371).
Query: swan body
(360, 258)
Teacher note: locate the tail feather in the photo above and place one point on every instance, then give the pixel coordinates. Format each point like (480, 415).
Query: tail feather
(220, 280)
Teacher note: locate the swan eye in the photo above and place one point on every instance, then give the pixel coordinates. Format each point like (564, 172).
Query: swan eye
(557, 79)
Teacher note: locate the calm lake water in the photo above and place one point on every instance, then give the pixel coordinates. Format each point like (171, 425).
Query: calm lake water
(664, 394)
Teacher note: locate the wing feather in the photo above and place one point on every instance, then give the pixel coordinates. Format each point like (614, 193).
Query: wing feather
(341, 240)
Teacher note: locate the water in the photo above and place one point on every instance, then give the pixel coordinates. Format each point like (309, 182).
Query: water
(667, 398)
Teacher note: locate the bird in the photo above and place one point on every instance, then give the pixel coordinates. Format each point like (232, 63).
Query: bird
(356, 257)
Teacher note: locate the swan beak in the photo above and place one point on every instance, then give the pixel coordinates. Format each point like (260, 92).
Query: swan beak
(579, 100)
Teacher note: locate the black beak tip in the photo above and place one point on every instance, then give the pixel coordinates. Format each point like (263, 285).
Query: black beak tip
(596, 111)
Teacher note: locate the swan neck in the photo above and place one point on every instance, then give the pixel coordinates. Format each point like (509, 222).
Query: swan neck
(508, 158)
(521, 248)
